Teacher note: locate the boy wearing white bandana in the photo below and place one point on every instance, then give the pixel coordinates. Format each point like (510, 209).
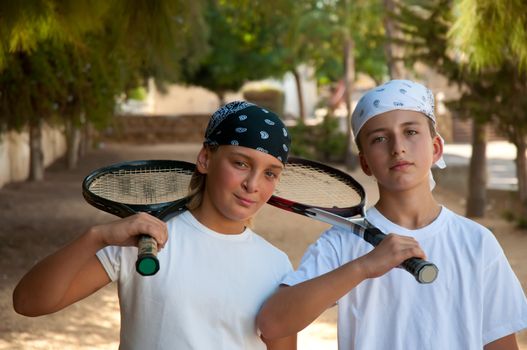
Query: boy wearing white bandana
(476, 302)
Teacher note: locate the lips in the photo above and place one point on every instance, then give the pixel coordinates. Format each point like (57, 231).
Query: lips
(245, 201)
(401, 165)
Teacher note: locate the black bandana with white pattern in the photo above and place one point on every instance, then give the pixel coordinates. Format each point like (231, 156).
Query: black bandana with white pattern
(245, 124)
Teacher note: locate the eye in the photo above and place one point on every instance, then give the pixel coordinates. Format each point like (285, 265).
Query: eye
(240, 164)
(271, 174)
(378, 139)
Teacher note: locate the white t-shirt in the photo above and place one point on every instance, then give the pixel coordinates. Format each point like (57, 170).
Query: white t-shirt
(206, 294)
(475, 299)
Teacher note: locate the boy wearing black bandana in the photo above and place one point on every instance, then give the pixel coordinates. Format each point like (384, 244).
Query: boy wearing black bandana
(216, 271)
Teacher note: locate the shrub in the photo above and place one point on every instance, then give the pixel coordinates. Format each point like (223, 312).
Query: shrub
(323, 142)
(267, 97)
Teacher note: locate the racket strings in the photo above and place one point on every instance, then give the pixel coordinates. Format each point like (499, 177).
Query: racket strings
(143, 186)
(315, 187)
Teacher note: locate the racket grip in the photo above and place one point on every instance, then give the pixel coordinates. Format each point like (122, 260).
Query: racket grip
(423, 271)
(147, 263)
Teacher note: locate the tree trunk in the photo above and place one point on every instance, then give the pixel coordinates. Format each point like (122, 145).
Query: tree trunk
(351, 159)
(477, 180)
(36, 154)
(393, 51)
(521, 173)
(300, 95)
(73, 140)
(86, 140)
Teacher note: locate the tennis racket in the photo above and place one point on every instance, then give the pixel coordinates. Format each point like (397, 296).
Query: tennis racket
(158, 187)
(329, 195)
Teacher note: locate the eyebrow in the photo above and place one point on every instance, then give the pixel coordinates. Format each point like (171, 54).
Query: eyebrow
(410, 123)
(241, 154)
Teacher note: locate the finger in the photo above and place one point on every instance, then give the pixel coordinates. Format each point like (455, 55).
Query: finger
(152, 226)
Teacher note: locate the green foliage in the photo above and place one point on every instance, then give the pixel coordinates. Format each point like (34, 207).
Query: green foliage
(276, 36)
(73, 58)
(425, 25)
(242, 41)
(138, 93)
(508, 215)
(366, 26)
(325, 31)
(27, 23)
(521, 223)
(323, 142)
(301, 138)
(162, 36)
(331, 142)
(491, 32)
(485, 92)
(28, 89)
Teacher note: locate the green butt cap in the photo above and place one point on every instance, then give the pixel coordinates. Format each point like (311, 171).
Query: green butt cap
(147, 265)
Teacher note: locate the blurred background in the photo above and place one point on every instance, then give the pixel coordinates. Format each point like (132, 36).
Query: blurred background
(77, 76)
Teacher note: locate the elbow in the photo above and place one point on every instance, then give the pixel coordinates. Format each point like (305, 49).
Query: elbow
(19, 305)
(22, 305)
(270, 325)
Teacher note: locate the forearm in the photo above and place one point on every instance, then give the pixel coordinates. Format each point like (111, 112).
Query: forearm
(293, 308)
(506, 343)
(42, 289)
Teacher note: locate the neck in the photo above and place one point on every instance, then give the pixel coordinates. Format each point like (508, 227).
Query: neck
(212, 220)
(412, 209)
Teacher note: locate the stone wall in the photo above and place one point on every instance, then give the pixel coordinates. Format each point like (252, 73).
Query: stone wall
(157, 129)
(14, 152)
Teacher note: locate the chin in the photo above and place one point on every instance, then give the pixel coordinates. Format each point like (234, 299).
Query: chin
(240, 215)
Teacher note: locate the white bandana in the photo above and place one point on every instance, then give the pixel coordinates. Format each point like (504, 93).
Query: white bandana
(395, 95)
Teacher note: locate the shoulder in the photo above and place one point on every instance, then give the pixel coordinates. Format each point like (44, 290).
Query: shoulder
(339, 245)
(266, 246)
(180, 219)
(268, 256)
(468, 226)
(471, 235)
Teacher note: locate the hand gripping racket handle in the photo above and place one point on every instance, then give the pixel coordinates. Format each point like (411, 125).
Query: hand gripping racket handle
(147, 263)
(422, 270)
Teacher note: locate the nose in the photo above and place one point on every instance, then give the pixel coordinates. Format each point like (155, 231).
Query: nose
(250, 183)
(398, 146)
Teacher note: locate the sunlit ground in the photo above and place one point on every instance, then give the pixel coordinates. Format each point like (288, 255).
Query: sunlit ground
(318, 336)
(92, 324)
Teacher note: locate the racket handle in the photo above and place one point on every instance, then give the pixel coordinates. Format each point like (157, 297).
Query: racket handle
(147, 263)
(423, 271)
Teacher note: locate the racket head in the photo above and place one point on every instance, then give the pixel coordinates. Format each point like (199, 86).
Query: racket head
(158, 187)
(306, 184)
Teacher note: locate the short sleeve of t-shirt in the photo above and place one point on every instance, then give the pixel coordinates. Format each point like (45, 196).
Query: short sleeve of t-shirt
(321, 257)
(504, 303)
(111, 258)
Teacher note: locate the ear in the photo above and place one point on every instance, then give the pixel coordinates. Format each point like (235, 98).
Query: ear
(364, 165)
(202, 163)
(437, 148)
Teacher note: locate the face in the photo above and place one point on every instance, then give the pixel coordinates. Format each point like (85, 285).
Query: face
(399, 150)
(239, 181)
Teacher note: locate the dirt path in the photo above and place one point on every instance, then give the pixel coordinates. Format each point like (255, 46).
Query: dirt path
(36, 219)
